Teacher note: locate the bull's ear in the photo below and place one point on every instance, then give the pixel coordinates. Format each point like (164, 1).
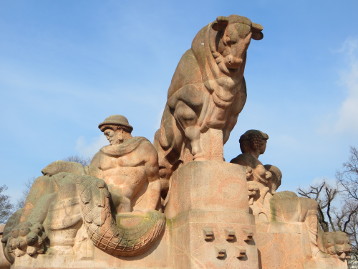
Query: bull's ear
(220, 23)
(256, 31)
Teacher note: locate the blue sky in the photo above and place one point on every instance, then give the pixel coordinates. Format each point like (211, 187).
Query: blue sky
(66, 65)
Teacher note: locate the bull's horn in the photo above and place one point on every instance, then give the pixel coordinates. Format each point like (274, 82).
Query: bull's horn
(256, 31)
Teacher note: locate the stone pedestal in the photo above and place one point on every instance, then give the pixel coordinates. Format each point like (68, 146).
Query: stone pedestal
(156, 258)
(283, 245)
(287, 245)
(209, 223)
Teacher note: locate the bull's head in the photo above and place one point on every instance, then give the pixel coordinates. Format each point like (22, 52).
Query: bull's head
(232, 40)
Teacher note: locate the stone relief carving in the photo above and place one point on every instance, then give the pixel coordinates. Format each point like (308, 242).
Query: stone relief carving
(206, 94)
(114, 201)
(335, 244)
(263, 180)
(287, 207)
(267, 205)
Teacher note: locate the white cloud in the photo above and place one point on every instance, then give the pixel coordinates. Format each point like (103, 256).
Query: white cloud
(330, 181)
(88, 149)
(348, 111)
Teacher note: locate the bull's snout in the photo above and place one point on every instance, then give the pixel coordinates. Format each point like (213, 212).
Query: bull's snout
(233, 62)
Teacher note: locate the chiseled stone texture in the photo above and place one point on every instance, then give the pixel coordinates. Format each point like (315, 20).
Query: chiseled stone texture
(209, 221)
(286, 246)
(4, 264)
(207, 92)
(218, 214)
(282, 245)
(156, 257)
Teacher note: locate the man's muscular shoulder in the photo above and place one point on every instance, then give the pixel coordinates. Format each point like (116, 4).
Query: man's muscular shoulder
(147, 150)
(146, 145)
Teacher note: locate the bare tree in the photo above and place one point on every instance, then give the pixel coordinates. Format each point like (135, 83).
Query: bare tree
(78, 159)
(21, 202)
(5, 205)
(347, 219)
(325, 195)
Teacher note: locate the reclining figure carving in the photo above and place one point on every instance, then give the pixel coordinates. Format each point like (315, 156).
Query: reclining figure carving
(335, 244)
(114, 200)
(287, 207)
(207, 92)
(267, 205)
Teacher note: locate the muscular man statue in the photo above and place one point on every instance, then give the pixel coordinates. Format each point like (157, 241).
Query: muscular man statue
(122, 178)
(129, 166)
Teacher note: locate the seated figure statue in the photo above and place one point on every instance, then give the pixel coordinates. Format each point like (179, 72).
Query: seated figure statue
(115, 201)
(263, 180)
(129, 166)
(267, 205)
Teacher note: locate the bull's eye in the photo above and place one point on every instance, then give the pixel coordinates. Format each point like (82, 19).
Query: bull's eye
(232, 38)
(243, 30)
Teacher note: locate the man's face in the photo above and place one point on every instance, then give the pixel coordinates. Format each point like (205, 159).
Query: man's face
(263, 146)
(114, 136)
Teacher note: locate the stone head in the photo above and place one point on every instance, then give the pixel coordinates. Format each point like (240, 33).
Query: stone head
(253, 141)
(116, 128)
(236, 33)
(275, 180)
(337, 243)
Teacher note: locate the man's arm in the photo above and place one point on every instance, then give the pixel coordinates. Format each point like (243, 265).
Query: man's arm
(152, 173)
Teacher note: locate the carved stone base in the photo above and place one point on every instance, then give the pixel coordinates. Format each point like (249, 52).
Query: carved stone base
(208, 217)
(209, 225)
(94, 258)
(287, 245)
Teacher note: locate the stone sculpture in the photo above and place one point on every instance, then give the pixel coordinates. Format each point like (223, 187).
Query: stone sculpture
(100, 199)
(206, 94)
(129, 166)
(269, 206)
(263, 180)
(335, 244)
(218, 214)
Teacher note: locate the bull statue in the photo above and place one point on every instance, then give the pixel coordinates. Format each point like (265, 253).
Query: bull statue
(206, 94)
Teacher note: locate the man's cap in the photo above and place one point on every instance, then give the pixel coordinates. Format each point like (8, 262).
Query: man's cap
(115, 120)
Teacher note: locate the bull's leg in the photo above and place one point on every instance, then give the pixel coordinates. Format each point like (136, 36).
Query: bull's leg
(187, 119)
(168, 141)
(193, 134)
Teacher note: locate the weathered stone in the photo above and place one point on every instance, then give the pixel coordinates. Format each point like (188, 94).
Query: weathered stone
(121, 177)
(216, 214)
(209, 217)
(4, 263)
(288, 234)
(206, 94)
